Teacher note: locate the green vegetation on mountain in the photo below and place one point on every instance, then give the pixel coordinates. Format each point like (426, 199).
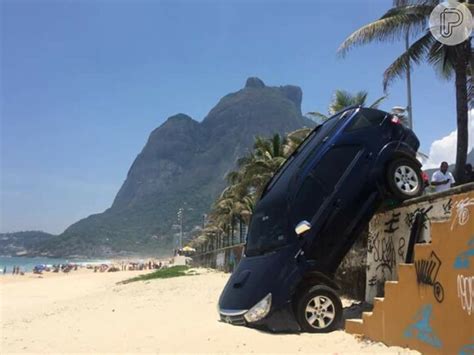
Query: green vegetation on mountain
(20, 242)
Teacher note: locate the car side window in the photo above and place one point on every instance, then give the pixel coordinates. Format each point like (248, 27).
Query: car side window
(308, 199)
(366, 118)
(321, 181)
(333, 164)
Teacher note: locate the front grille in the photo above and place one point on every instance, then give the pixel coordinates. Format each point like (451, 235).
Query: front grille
(234, 320)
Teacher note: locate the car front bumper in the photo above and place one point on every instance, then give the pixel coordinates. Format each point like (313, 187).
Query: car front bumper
(279, 320)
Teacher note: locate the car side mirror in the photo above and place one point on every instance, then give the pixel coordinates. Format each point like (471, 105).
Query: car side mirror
(302, 227)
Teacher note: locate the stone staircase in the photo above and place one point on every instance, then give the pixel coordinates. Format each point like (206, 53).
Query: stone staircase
(430, 307)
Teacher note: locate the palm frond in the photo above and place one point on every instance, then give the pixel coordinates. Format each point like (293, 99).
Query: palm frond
(377, 102)
(393, 25)
(343, 99)
(319, 115)
(360, 98)
(416, 53)
(398, 3)
(443, 57)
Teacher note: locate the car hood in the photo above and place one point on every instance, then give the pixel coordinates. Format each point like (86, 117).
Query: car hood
(276, 273)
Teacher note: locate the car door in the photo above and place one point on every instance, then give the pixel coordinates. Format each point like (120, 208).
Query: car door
(355, 192)
(332, 194)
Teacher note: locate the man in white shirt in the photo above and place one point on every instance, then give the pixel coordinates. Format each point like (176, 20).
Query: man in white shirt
(442, 179)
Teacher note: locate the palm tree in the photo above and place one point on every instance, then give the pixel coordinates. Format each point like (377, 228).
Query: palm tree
(294, 139)
(236, 203)
(449, 61)
(259, 166)
(343, 99)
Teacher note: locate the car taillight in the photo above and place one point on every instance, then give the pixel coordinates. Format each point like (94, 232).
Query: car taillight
(396, 120)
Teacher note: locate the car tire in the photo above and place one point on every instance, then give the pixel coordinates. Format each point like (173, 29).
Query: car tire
(318, 309)
(404, 179)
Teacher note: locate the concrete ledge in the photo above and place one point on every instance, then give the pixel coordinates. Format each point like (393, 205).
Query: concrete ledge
(431, 197)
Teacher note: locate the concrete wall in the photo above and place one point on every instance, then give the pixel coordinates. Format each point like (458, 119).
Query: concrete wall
(389, 234)
(431, 306)
(225, 259)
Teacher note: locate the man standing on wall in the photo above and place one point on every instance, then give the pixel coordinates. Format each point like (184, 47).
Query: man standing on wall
(442, 179)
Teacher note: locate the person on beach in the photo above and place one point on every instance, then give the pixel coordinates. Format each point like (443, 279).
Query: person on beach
(442, 179)
(4, 270)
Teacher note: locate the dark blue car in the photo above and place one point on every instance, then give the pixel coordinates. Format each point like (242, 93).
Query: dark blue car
(311, 213)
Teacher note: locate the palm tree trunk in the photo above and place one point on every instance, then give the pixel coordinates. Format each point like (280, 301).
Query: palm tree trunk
(240, 229)
(471, 69)
(233, 230)
(461, 109)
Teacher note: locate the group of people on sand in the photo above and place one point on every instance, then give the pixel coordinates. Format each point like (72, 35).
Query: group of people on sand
(38, 269)
(15, 270)
(66, 268)
(128, 266)
(149, 265)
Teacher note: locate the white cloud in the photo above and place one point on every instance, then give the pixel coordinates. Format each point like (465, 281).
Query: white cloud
(444, 149)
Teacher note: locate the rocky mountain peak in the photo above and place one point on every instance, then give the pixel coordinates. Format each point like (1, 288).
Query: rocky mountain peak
(183, 165)
(254, 82)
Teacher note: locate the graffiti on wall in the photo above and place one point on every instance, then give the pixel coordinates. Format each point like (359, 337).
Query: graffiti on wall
(467, 349)
(389, 233)
(466, 293)
(462, 211)
(462, 260)
(383, 252)
(424, 211)
(427, 273)
(421, 329)
(447, 207)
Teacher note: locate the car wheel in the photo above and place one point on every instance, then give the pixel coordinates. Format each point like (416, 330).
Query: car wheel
(404, 179)
(319, 310)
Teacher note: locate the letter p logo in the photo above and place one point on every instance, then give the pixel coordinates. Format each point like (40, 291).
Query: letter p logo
(449, 20)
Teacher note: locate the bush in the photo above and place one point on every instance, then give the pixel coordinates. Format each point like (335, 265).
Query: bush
(174, 271)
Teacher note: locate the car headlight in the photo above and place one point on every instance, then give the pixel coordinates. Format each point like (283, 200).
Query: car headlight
(260, 310)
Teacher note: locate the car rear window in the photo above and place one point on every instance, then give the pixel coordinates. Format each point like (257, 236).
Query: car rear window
(366, 118)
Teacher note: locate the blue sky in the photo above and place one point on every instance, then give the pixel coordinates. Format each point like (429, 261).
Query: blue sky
(83, 83)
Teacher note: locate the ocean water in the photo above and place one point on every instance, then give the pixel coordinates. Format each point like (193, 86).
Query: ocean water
(27, 264)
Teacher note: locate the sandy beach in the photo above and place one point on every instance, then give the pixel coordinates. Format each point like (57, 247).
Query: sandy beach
(86, 312)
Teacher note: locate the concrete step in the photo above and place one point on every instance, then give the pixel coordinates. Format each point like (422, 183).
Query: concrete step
(422, 250)
(366, 316)
(405, 272)
(378, 304)
(354, 326)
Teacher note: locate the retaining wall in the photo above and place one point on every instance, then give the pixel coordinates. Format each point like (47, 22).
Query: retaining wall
(430, 307)
(389, 233)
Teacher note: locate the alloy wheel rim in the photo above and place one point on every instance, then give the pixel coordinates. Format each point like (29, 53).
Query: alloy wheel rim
(406, 179)
(320, 312)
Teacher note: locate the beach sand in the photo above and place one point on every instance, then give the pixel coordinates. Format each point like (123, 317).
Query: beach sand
(86, 312)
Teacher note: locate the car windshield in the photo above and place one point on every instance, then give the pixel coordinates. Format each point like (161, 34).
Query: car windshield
(269, 228)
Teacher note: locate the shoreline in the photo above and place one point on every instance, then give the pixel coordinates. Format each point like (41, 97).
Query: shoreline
(28, 264)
